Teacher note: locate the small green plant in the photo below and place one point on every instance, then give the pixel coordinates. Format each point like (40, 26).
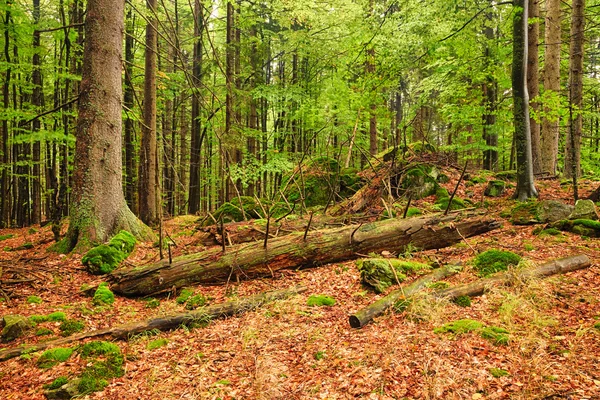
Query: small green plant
(25, 246)
(70, 327)
(51, 357)
(597, 325)
(413, 212)
(184, 295)
(492, 261)
(224, 382)
(38, 319)
(5, 237)
(528, 247)
(498, 372)
(34, 300)
(498, 336)
(459, 327)
(438, 285)
(57, 316)
(463, 301)
(319, 355)
(196, 301)
(320, 300)
(155, 344)
(402, 305)
(58, 382)
(103, 295)
(152, 303)
(43, 332)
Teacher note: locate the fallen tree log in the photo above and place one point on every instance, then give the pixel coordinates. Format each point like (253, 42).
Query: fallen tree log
(365, 315)
(298, 250)
(477, 288)
(162, 323)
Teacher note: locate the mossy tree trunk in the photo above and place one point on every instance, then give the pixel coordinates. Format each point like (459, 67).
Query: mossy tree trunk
(292, 251)
(98, 208)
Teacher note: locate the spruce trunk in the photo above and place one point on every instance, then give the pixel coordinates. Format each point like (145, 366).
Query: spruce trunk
(297, 250)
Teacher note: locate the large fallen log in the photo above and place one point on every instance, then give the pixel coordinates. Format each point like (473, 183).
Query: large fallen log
(363, 316)
(163, 323)
(299, 250)
(477, 288)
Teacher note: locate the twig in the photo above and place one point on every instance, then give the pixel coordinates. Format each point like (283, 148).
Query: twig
(222, 233)
(468, 244)
(354, 231)
(308, 226)
(267, 231)
(407, 205)
(456, 188)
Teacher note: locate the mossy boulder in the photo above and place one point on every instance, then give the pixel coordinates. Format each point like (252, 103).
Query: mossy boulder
(420, 181)
(492, 261)
(582, 227)
(495, 188)
(103, 295)
(381, 273)
(105, 258)
(525, 213)
(15, 326)
(66, 391)
(584, 209)
(553, 210)
(507, 175)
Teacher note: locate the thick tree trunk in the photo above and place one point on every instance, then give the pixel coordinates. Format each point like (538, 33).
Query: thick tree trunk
(36, 101)
(296, 250)
(148, 177)
(166, 322)
(525, 184)
(196, 139)
(573, 142)
(364, 316)
(99, 209)
(128, 102)
(533, 83)
(550, 122)
(477, 288)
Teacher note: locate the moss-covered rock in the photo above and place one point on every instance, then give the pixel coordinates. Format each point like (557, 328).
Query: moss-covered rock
(492, 261)
(66, 391)
(457, 203)
(103, 295)
(582, 227)
(15, 326)
(525, 213)
(495, 188)
(507, 175)
(381, 273)
(105, 258)
(320, 300)
(51, 357)
(553, 210)
(420, 181)
(584, 209)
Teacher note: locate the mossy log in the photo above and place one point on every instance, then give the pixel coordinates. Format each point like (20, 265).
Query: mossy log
(297, 250)
(165, 322)
(365, 315)
(477, 288)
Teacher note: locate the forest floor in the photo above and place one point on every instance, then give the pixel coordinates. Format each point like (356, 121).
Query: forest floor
(289, 350)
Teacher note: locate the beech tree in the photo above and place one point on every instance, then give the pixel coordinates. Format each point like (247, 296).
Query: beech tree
(98, 208)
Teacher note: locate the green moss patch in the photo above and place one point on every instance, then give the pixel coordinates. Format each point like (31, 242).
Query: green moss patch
(57, 383)
(463, 301)
(152, 303)
(105, 361)
(105, 258)
(320, 300)
(184, 295)
(492, 261)
(459, 327)
(413, 212)
(381, 273)
(57, 316)
(420, 181)
(495, 188)
(457, 203)
(34, 300)
(196, 301)
(155, 344)
(496, 335)
(582, 227)
(70, 327)
(43, 332)
(103, 295)
(498, 372)
(51, 357)
(5, 237)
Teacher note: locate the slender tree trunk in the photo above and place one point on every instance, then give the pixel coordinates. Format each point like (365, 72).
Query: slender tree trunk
(128, 101)
(490, 135)
(36, 102)
(533, 83)
(229, 100)
(99, 209)
(525, 181)
(573, 142)
(5, 184)
(550, 122)
(147, 187)
(196, 139)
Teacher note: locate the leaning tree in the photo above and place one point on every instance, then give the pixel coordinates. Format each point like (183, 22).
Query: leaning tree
(98, 207)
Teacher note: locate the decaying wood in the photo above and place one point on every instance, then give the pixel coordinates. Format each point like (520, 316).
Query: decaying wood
(162, 323)
(365, 315)
(292, 251)
(477, 288)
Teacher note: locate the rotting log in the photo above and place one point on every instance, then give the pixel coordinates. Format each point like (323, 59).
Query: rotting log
(325, 246)
(365, 315)
(477, 288)
(162, 323)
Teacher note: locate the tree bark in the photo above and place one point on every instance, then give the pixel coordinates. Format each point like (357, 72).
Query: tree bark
(550, 122)
(292, 251)
(98, 209)
(477, 288)
(533, 83)
(166, 322)
(525, 184)
(128, 101)
(148, 177)
(573, 142)
(490, 94)
(364, 316)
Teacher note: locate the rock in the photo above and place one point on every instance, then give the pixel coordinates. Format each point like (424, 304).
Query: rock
(67, 391)
(495, 188)
(584, 209)
(553, 210)
(15, 326)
